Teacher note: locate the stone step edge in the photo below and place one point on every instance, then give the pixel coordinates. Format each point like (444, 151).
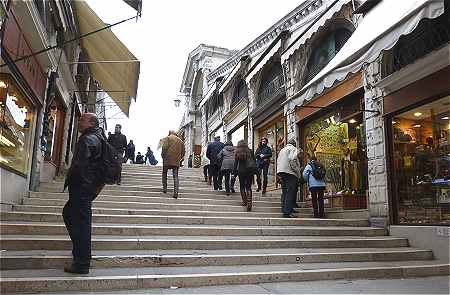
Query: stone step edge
(17, 262)
(193, 217)
(86, 283)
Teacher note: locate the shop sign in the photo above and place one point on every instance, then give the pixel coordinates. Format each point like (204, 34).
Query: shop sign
(15, 44)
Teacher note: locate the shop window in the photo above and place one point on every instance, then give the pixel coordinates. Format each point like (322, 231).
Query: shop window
(240, 92)
(326, 50)
(16, 115)
(421, 161)
(338, 140)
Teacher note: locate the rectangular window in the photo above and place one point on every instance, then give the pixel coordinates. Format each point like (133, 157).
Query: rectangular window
(16, 116)
(421, 161)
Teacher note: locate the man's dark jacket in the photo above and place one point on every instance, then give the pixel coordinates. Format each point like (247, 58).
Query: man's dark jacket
(213, 150)
(118, 141)
(267, 152)
(84, 171)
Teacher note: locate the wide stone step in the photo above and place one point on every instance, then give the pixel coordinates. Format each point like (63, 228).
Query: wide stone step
(39, 259)
(165, 212)
(207, 220)
(157, 188)
(29, 228)
(153, 205)
(19, 281)
(234, 199)
(62, 242)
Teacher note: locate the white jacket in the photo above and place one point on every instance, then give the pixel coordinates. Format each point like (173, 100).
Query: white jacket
(288, 162)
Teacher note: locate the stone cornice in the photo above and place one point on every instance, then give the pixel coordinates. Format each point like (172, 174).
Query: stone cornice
(291, 19)
(200, 52)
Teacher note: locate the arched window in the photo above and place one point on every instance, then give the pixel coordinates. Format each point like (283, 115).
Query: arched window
(271, 84)
(240, 92)
(326, 50)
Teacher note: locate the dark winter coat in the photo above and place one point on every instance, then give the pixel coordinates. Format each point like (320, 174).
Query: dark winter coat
(213, 150)
(130, 150)
(241, 166)
(226, 156)
(266, 152)
(84, 171)
(119, 142)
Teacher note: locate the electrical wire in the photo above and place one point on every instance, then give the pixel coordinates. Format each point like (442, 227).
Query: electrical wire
(66, 42)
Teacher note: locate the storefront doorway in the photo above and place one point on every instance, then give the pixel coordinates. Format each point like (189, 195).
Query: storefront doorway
(275, 132)
(241, 133)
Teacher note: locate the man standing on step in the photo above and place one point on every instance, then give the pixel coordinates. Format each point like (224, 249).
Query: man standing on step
(289, 171)
(212, 151)
(172, 154)
(84, 186)
(119, 142)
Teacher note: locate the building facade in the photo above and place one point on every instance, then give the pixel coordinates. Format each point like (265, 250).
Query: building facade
(372, 105)
(43, 92)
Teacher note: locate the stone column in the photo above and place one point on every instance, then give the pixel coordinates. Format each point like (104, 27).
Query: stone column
(376, 146)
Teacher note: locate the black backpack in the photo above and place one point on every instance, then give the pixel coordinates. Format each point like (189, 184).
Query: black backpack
(110, 166)
(318, 170)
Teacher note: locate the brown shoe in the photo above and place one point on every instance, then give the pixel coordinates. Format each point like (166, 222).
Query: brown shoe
(244, 199)
(249, 201)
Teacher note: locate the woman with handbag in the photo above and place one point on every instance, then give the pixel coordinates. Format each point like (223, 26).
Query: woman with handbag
(245, 168)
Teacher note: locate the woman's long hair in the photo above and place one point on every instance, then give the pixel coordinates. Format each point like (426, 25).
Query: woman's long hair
(260, 142)
(242, 151)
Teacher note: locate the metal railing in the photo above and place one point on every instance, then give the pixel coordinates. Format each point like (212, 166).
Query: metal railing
(271, 90)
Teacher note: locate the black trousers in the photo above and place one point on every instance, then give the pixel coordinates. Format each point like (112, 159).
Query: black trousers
(289, 189)
(216, 176)
(229, 181)
(317, 201)
(205, 171)
(77, 214)
(263, 170)
(121, 162)
(245, 182)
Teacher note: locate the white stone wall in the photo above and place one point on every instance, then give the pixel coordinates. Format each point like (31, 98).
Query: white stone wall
(376, 145)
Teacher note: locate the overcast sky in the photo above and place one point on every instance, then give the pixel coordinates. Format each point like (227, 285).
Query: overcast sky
(162, 39)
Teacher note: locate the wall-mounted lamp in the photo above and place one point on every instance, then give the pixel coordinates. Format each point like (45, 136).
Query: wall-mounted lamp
(177, 102)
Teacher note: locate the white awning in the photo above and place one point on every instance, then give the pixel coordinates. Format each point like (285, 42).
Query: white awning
(262, 62)
(113, 65)
(208, 94)
(230, 76)
(370, 38)
(320, 17)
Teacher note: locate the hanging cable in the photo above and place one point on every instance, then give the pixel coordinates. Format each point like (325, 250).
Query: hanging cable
(66, 42)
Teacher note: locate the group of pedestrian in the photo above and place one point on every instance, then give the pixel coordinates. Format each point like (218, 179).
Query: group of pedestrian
(94, 154)
(149, 157)
(227, 162)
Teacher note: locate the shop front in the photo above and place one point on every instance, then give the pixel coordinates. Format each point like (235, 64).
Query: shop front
(418, 134)
(332, 128)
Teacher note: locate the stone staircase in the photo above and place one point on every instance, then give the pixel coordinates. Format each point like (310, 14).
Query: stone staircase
(143, 239)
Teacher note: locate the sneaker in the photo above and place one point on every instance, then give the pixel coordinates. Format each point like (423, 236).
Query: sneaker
(258, 189)
(289, 215)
